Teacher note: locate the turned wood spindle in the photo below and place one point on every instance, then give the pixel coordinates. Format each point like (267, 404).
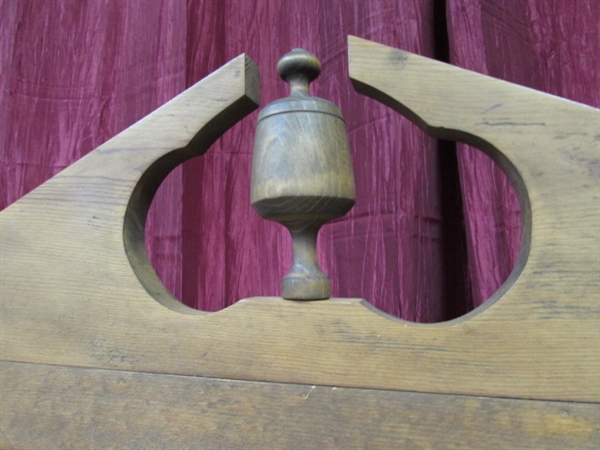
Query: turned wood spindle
(302, 171)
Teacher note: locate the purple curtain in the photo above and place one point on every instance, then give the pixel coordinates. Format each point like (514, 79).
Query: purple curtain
(434, 232)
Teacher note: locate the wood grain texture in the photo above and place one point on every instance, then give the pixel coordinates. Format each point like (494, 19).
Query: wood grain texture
(302, 171)
(61, 407)
(78, 290)
(550, 149)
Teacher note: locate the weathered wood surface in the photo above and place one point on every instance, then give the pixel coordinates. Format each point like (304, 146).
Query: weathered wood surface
(78, 290)
(65, 407)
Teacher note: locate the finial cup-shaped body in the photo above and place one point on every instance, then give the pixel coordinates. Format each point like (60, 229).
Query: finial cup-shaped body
(302, 172)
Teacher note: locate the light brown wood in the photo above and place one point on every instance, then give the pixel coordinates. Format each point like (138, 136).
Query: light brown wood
(71, 297)
(77, 289)
(61, 407)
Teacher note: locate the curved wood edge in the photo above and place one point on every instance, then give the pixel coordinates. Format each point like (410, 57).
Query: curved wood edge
(113, 186)
(155, 173)
(548, 146)
(550, 149)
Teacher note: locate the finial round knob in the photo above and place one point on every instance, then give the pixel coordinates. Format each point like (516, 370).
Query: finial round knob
(299, 68)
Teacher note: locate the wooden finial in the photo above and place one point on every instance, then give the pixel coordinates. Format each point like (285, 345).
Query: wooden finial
(302, 173)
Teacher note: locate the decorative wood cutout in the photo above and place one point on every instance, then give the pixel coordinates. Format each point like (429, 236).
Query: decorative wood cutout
(78, 292)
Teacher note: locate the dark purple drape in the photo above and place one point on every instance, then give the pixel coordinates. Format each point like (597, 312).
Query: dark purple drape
(433, 233)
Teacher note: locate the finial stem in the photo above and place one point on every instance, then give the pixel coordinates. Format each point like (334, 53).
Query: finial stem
(305, 280)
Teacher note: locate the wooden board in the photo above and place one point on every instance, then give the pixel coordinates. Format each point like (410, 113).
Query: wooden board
(60, 407)
(78, 290)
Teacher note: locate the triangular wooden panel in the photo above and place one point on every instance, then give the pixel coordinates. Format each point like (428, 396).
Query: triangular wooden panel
(87, 328)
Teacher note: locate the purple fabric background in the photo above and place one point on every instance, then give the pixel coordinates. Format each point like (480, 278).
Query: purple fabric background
(432, 234)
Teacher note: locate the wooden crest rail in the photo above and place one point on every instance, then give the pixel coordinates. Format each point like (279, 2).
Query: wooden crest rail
(97, 354)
